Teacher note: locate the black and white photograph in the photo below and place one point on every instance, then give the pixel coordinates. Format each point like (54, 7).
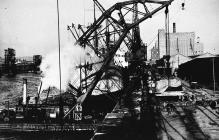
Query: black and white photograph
(109, 70)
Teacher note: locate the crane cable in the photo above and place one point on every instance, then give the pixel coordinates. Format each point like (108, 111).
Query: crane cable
(170, 18)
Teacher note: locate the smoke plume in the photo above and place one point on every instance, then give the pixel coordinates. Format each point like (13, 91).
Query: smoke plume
(70, 58)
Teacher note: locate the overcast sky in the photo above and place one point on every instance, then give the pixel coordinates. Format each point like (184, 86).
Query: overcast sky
(30, 26)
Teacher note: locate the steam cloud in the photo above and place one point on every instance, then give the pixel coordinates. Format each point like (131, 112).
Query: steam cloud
(70, 58)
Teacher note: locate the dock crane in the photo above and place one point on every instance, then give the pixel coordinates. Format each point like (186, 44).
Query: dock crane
(118, 25)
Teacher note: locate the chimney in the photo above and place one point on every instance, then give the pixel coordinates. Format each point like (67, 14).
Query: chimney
(174, 27)
(24, 91)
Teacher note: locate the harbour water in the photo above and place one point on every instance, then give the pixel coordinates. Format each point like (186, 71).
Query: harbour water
(11, 89)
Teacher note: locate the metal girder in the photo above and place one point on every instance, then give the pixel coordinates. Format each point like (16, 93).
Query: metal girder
(104, 66)
(109, 58)
(149, 15)
(117, 29)
(121, 30)
(133, 10)
(107, 14)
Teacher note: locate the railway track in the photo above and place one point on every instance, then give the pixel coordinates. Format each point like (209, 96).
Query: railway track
(194, 122)
(209, 114)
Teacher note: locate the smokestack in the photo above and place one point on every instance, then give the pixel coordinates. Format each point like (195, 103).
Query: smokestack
(24, 91)
(174, 27)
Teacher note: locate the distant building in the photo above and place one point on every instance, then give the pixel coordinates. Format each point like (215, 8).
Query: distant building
(28, 64)
(10, 59)
(155, 53)
(198, 48)
(9, 56)
(1, 61)
(180, 43)
(37, 59)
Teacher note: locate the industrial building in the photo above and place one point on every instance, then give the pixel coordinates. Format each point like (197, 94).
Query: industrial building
(13, 65)
(155, 53)
(182, 43)
(202, 69)
(9, 65)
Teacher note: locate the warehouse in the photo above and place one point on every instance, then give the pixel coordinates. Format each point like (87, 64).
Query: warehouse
(203, 69)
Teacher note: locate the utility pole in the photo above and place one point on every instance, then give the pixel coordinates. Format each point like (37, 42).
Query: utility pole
(80, 67)
(213, 74)
(85, 74)
(95, 32)
(167, 31)
(167, 45)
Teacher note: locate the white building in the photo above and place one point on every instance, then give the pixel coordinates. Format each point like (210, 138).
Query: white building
(180, 43)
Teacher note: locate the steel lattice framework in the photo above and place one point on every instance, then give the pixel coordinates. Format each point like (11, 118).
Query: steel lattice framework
(111, 32)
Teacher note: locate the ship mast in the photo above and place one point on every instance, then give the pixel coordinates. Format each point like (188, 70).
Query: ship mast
(60, 75)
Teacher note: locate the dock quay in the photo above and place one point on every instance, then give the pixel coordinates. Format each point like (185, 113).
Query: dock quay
(188, 120)
(184, 123)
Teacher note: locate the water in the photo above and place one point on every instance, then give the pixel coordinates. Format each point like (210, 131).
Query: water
(11, 89)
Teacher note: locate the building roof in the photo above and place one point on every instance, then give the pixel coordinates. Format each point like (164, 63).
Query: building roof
(193, 56)
(179, 59)
(179, 54)
(205, 55)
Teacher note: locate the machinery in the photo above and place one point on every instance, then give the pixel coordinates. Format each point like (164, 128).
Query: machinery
(112, 35)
